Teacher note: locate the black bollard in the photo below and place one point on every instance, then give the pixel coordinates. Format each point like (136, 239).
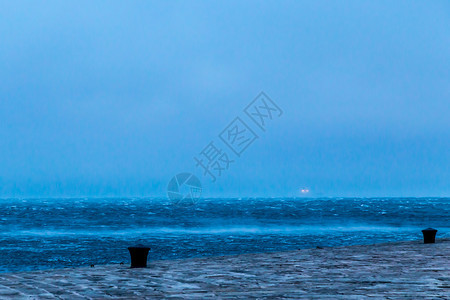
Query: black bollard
(138, 255)
(429, 235)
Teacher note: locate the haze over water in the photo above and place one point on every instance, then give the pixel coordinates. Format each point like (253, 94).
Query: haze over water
(112, 101)
(101, 106)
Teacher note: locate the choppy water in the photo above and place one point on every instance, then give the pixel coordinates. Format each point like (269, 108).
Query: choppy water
(40, 233)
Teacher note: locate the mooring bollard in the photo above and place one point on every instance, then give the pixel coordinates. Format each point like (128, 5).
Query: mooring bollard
(429, 235)
(138, 255)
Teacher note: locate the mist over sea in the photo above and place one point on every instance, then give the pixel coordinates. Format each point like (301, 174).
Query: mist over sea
(57, 233)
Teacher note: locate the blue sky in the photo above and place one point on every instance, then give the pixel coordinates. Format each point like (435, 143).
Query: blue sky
(114, 98)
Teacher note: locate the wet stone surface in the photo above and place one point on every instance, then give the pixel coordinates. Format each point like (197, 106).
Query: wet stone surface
(402, 270)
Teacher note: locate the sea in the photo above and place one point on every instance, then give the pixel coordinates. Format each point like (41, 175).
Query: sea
(59, 233)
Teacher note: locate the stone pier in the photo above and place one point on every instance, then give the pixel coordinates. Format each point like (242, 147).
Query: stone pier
(402, 270)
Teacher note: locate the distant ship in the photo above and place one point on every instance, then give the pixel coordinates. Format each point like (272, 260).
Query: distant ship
(304, 191)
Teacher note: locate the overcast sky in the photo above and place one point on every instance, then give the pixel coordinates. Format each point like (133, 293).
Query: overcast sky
(113, 98)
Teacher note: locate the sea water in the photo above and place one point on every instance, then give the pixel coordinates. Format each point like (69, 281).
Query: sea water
(58, 233)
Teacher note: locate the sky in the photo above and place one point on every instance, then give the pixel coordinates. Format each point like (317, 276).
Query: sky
(113, 99)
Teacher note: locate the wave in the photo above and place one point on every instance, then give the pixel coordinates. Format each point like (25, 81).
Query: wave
(257, 230)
